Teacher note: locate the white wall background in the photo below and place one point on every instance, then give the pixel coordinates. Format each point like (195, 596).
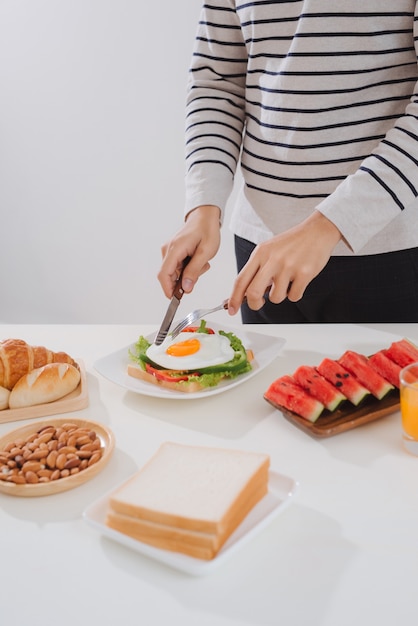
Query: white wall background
(92, 99)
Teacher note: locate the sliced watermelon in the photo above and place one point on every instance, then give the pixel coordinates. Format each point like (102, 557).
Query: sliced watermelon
(385, 367)
(358, 365)
(411, 346)
(348, 384)
(285, 392)
(403, 352)
(311, 380)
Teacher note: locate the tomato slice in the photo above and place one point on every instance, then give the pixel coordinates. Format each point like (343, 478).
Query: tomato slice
(194, 329)
(173, 376)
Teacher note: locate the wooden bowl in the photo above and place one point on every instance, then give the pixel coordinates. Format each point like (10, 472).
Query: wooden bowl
(61, 484)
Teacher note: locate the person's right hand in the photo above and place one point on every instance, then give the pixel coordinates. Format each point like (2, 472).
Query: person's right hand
(285, 264)
(199, 239)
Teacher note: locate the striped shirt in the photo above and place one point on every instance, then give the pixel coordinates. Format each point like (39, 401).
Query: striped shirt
(315, 101)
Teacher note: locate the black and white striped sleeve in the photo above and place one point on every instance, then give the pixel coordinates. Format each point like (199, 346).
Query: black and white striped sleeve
(215, 113)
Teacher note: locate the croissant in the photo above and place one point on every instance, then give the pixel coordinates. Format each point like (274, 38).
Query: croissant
(17, 358)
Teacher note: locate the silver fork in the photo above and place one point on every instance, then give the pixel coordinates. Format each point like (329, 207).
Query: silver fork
(194, 316)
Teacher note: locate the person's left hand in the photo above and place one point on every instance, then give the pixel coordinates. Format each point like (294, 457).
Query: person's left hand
(285, 264)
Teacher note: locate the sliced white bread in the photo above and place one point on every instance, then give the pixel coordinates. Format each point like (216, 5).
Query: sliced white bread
(194, 489)
(194, 543)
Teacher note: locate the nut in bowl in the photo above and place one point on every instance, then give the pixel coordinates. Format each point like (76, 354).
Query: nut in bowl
(53, 456)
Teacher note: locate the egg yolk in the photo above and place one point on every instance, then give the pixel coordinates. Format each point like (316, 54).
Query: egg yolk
(184, 348)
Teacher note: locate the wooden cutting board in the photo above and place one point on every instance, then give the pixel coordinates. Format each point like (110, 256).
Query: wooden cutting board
(345, 418)
(74, 401)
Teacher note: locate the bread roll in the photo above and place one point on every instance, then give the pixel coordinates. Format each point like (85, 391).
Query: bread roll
(4, 398)
(17, 358)
(44, 384)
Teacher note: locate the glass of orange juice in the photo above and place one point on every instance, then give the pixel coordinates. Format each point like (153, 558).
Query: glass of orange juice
(409, 407)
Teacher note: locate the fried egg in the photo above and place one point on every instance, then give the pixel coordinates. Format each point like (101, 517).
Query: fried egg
(189, 351)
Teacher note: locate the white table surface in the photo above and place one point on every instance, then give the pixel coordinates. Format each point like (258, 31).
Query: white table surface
(344, 552)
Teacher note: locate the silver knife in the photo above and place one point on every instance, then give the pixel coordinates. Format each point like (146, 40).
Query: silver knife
(172, 307)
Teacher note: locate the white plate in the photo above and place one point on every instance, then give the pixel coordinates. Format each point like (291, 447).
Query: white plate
(265, 348)
(281, 490)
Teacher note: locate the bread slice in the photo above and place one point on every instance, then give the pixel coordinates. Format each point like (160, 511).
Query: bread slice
(193, 543)
(194, 488)
(189, 387)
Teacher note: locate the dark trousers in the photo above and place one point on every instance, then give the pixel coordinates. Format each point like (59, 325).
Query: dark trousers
(353, 289)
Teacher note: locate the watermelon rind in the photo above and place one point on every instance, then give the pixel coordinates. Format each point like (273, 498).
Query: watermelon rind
(341, 378)
(359, 366)
(285, 392)
(311, 380)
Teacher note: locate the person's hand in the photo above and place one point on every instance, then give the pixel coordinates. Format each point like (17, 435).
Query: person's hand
(198, 239)
(286, 264)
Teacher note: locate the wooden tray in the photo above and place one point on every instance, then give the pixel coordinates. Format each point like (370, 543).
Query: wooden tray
(74, 401)
(345, 418)
(62, 484)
